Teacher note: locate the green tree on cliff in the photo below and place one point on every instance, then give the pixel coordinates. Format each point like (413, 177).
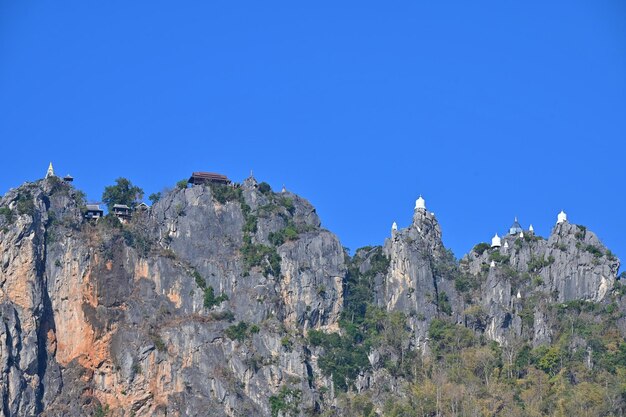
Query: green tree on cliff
(124, 192)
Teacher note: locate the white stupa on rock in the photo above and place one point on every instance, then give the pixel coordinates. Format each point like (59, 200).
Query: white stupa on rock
(561, 217)
(492, 264)
(394, 227)
(50, 172)
(496, 241)
(531, 228)
(521, 234)
(506, 244)
(420, 203)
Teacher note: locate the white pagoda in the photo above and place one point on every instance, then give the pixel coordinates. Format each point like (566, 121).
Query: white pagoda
(420, 204)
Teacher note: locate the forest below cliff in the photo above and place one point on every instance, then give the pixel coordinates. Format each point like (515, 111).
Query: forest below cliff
(233, 300)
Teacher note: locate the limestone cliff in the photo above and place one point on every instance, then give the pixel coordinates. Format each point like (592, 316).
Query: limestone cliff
(202, 304)
(418, 281)
(528, 271)
(133, 319)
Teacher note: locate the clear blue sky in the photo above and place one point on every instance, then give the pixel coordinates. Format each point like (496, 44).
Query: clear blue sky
(489, 109)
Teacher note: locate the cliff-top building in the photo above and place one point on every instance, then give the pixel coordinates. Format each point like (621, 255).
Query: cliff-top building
(420, 204)
(515, 228)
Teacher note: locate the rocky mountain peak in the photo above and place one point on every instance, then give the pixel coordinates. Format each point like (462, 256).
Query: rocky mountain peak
(425, 227)
(233, 298)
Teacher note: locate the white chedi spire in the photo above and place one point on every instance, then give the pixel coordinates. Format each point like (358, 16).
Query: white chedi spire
(521, 234)
(50, 172)
(492, 264)
(531, 228)
(394, 227)
(519, 294)
(420, 203)
(561, 218)
(506, 244)
(496, 242)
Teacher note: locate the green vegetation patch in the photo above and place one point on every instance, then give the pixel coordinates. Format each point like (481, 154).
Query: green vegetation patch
(594, 250)
(224, 193)
(265, 188)
(536, 264)
(251, 224)
(287, 203)
(154, 197)
(241, 331)
(284, 235)
(480, 248)
(610, 256)
(363, 326)
(123, 192)
(464, 282)
(210, 300)
(499, 258)
(443, 303)
(286, 402)
(25, 203)
(182, 184)
(7, 213)
(447, 337)
(259, 255)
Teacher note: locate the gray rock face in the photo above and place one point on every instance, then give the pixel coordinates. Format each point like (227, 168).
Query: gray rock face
(23, 346)
(416, 282)
(572, 264)
(126, 311)
(498, 304)
(510, 298)
(590, 276)
(313, 271)
(202, 304)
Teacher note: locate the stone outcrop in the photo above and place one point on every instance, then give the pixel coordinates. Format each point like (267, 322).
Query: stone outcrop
(530, 271)
(204, 301)
(418, 280)
(124, 310)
